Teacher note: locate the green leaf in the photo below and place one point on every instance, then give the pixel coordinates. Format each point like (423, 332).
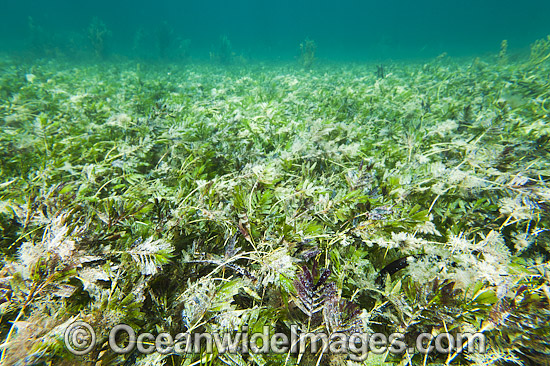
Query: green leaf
(485, 297)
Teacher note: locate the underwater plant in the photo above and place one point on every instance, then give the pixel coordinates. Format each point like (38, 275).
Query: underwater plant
(540, 51)
(164, 39)
(224, 53)
(380, 73)
(210, 199)
(98, 34)
(503, 53)
(37, 37)
(308, 48)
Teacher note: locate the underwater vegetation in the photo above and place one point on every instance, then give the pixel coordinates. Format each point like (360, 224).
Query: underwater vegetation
(165, 39)
(540, 51)
(308, 48)
(223, 53)
(410, 198)
(98, 34)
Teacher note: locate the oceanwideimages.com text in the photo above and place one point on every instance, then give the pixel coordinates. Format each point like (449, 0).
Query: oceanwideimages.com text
(80, 339)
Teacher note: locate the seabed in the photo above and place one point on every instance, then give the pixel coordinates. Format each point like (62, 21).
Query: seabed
(408, 197)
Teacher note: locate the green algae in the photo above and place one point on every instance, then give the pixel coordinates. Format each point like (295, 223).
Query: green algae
(204, 198)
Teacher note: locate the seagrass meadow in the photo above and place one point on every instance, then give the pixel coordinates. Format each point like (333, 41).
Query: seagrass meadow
(408, 197)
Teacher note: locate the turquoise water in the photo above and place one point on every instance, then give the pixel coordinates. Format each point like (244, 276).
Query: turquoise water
(344, 30)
